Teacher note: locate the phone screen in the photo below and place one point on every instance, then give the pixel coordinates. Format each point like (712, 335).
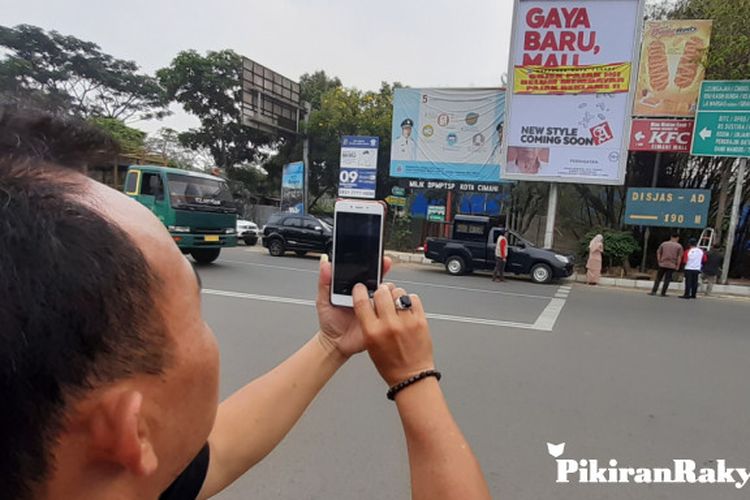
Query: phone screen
(357, 252)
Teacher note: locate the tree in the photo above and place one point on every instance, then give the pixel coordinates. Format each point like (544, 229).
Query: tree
(165, 143)
(210, 88)
(129, 139)
(313, 86)
(65, 74)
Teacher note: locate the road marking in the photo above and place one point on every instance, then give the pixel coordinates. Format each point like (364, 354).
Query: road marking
(406, 282)
(545, 322)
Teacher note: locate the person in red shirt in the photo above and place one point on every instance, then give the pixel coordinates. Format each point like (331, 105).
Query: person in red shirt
(501, 255)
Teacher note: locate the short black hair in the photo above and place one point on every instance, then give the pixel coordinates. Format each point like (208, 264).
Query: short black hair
(75, 296)
(675, 235)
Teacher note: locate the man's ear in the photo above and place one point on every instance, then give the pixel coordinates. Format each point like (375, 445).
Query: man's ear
(120, 433)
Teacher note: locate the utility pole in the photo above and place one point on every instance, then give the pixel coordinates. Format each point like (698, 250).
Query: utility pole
(733, 220)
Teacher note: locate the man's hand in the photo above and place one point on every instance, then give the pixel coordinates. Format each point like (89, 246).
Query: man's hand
(398, 341)
(339, 328)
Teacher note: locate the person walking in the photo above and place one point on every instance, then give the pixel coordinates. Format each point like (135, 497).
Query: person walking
(694, 258)
(712, 267)
(594, 264)
(668, 255)
(501, 256)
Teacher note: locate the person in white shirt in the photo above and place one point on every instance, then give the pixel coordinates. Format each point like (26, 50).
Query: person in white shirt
(693, 260)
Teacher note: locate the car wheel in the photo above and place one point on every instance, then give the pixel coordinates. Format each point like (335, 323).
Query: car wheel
(541, 273)
(300, 253)
(455, 265)
(250, 240)
(205, 255)
(276, 248)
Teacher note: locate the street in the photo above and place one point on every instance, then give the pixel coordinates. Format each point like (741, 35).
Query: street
(615, 374)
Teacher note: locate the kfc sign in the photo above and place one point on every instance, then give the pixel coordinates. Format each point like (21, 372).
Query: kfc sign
(669, 136)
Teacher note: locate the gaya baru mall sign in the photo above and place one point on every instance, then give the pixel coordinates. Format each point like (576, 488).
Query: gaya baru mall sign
(666, 136)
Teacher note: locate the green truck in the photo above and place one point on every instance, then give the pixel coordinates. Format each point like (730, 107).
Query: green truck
(198, 209)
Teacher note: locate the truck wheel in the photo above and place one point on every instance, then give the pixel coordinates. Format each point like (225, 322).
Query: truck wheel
(541, 273)
(205, 255)
(455, 265)
(250, 240)
(276, 248)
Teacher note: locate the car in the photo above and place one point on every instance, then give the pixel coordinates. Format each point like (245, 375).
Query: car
(472, 247)
(248, 231)
(298, 233)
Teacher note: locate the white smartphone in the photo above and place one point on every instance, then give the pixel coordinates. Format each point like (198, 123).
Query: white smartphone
(357, 248)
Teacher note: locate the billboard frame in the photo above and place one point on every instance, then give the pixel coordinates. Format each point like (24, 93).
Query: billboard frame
(625, 141)
(271, 102)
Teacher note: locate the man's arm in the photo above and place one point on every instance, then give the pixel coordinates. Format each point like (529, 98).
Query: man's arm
(441, 462)
(251, 422)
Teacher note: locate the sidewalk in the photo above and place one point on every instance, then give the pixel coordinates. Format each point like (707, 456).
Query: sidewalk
(674, 287)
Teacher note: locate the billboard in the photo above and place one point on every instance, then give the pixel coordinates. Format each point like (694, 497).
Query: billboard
(667, 136)
(358, 177)
(292, 188)
(671, 69)
(447, 134)
(686, 208)
(270, 102)
(570, 94)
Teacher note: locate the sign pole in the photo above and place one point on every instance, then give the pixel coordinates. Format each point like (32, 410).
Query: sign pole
(549, 230)
(647, 234)
(306, 158)
(733, 220)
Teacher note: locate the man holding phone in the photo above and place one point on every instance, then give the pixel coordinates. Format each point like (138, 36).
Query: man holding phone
(109, 375)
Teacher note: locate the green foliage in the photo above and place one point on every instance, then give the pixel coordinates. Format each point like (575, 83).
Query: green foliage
(209, 87)
(399, 233)
(129, 139)
(65, 74)
(618, 245)
(166, 144)
(313, 86)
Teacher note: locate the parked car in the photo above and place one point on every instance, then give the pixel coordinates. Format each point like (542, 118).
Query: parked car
(297, 232)
(248, 232)
(472, 247)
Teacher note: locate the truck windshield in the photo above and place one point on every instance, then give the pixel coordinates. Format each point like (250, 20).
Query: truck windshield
(198, 191)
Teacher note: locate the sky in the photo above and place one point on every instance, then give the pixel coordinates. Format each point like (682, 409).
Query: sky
(438, 43)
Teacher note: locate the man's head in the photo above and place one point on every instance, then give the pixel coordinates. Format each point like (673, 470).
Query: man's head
(406, 127)
(108, 374)
(675, 237)
(692, 242)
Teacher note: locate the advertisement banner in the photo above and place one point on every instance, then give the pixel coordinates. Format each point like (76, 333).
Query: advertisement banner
(597, 78)
(359, 166)
(686, 208)
(447, 134)
(574, 125)
(292, 188)
(668, 136)
(671, 69)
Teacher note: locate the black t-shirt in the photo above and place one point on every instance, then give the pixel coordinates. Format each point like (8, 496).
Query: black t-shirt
(190, 481)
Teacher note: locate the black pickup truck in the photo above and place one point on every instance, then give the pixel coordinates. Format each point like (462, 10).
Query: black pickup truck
(472, 247)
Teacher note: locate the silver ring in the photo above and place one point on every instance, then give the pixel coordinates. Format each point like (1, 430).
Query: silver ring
(403, 303)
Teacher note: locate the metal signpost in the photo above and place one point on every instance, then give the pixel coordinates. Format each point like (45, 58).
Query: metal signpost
(722, 128)
(683, 208)
(359, 166)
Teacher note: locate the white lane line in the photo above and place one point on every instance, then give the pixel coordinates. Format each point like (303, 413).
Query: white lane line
(440, 317)
(546, 321)
(418, 283)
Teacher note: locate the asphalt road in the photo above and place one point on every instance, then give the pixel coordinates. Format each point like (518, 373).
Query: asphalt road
(615, 374)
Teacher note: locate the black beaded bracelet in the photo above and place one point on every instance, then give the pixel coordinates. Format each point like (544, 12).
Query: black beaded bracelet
(391, 394)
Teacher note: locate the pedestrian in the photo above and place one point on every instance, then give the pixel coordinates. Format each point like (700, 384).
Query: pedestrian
(501, 256)
(693, 259)
(668, 256)
(594, 264)
(109, 375)
(712, 268)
